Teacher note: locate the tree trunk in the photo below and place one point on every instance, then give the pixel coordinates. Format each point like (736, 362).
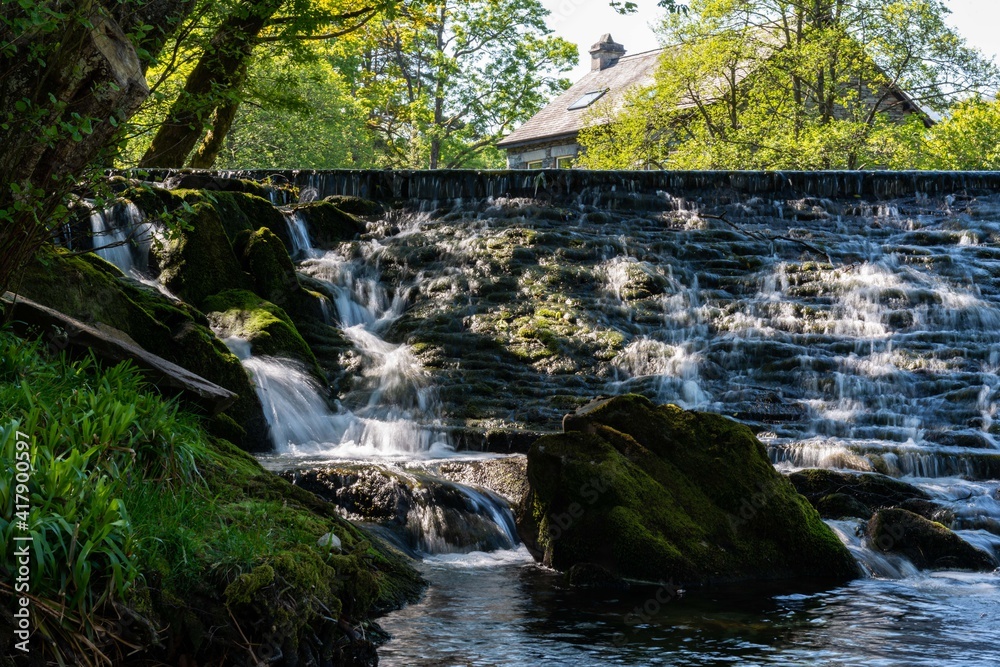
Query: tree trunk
(63, 93)
(438, 129)
(218, 71)
(208, 151)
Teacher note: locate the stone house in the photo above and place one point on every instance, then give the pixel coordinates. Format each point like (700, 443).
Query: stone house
(549, 138)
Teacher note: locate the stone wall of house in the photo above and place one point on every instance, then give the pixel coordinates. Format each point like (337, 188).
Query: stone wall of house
(546, 152)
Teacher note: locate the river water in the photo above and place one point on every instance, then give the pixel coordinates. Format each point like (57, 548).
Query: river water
(849, 334)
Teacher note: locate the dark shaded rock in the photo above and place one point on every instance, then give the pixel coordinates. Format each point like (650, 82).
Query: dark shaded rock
(114, 345)
(93, 291)
(930, 511)
(212, 182)
(870, 491)
(269, 266)
(355, 205)
(327, 225)
(420, 513)
(652, 493)
(200, 262)
(591, 575)
(840, 506)
(928, 545)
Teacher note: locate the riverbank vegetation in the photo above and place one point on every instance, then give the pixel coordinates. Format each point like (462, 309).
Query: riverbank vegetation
(147, 533)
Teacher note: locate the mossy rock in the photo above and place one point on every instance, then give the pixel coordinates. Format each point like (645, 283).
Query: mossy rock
(265, 326)
(93, 291)
(269, 266)
(281, 593)
(240, 211)
(328, 226)
(212, 182)
(828, 491)
(928, 545)
(659, 493)
(200, 262)
(356, 205)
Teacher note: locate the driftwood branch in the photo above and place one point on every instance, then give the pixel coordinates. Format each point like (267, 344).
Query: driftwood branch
(768, 238)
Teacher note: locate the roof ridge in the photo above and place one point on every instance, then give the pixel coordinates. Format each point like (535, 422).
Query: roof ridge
(642, 53)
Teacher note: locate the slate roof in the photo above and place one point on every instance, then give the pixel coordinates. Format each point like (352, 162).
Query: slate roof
(557, 121)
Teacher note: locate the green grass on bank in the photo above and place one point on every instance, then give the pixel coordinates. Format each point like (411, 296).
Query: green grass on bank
(149, 536)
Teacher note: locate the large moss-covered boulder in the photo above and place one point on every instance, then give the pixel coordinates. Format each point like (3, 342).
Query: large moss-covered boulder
(265, 326)
(660, 493)
(245, 212)
(927, 544)
(91, 290)
(270, 267)
(200, 261)
(842, 494)
(328, 225)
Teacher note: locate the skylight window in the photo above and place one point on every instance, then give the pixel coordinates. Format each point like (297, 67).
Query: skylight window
(587, 100)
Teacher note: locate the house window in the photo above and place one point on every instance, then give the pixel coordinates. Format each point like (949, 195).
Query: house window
(587, 99)
(564, 162)
(534, 164)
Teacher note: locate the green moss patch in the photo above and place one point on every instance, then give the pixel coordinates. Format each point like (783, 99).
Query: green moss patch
(655, 493)
(200, 261)
(89, 289)
(264, 325)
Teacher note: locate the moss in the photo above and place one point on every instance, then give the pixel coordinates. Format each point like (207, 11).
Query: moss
(81, 288)
(252, 213)
(328, 226)
(837, 494)
(356, 205)
(246, 585)
(927, 544)
(264, 325)
(269, 266)
(656, 492)
(201, 261)
(237, 561)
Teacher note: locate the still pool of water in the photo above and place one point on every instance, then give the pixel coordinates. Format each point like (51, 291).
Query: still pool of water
(500, 609)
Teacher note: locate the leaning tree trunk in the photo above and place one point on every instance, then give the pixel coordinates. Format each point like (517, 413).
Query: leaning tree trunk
(217, 71)
(64, 90)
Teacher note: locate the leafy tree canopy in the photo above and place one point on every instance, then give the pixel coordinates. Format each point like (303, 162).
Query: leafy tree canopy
(790, 84)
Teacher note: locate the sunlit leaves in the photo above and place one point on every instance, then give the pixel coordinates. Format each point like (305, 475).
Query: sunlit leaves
(794, 84)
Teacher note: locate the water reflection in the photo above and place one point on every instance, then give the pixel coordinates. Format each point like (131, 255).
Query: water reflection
(500, 609)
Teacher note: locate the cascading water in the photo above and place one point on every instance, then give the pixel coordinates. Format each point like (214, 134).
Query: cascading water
(393, 405)
(871, 345)
(849, 335)
(121, 236)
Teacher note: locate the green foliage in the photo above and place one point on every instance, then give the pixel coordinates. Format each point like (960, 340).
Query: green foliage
(442, 81)
(968, 138)
(90, 433)
(765, 84)
(297, 113)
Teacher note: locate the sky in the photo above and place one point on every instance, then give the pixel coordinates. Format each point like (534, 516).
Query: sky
(584, 21)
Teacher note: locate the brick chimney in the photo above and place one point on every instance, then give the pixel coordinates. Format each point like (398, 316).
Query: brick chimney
(605, 53)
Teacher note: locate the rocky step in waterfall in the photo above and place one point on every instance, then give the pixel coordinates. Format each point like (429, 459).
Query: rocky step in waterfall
(850, 321)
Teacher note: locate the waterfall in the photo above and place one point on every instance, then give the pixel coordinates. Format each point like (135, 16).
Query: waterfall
(298, 232)
(394, 407)
(122, 237)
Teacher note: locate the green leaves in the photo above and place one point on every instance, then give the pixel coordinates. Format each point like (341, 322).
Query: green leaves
(92, 434)
(768, 84)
